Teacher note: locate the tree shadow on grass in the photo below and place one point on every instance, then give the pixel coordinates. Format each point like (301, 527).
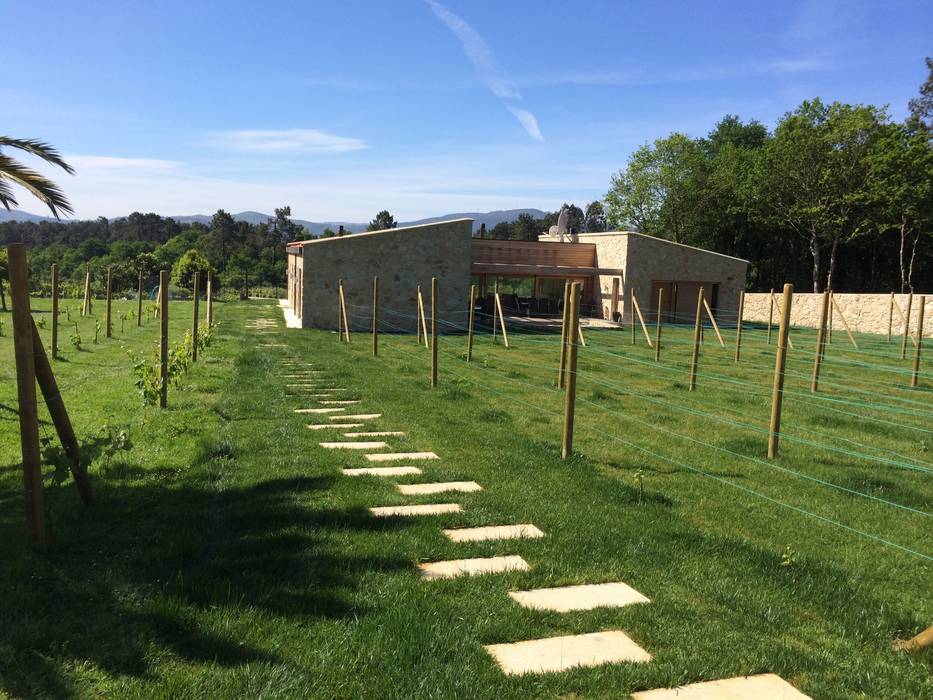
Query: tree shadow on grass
(148, 570)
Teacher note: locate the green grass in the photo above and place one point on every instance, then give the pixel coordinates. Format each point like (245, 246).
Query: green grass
(226, 556)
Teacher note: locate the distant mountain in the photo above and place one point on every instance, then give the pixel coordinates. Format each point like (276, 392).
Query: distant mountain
(316, 228)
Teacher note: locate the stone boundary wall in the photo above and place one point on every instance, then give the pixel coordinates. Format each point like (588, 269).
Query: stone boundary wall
(865, 313)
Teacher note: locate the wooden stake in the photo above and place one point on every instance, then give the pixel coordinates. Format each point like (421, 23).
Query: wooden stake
(657, 325)
(86, 308)
(631, 306)
(709, 312)
(194, 321)
(890, 316)
(424, 323)
(790, 343)
(770, 315)
(910, 301)
(831, 315)
(641, 319)
(738, 326)
(343, 312)
(209, 298)
(844, 322)
(915, 377)
(580, 335)
(904, 321)
(60, 418)
(820, 343)
(109, 329)
(54, 311)
(375, 315)
(139, 301)
(163, 337)
(26, 392)
(777, 394)
(505, 335)
(695, 359)
(339, 312)
(570, 398)
(495, 308)
(419, 314)
(470, 327)
(434, 301)
(562, 370)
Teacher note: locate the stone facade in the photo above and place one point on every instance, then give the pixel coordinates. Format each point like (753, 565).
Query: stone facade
(403, 258)
(865, 313)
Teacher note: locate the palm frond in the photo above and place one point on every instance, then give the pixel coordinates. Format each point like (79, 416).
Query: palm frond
(39, 149)
(38, 185)
(7, 198)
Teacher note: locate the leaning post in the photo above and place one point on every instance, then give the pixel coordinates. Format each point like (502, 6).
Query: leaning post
(777, 394)
(698, 324)
(738, 326)
(915, 377)
(54, 311)
(631, 308)
(434, 301)
(571, 395)
(910, 301)
(469, 356)
(26, 392)
(194, 320)
(163, 338)
(820, 343)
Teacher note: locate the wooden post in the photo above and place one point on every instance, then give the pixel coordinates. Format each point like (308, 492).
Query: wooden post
(163, 337)
(194, 321)
(54, 311)
(631, 306)
(844, 322)
(657, 325)
(910, 301)
(790, 343)
(770, 314)
(709, 312)
(738, 326)
(26, 392)
(562, 370)
(829, 339)
(641, 319)
(698, 323)
(890, 316)
(915, 377)
(570, 398)
(339, 312)
(109, 330)
(139, 300)
(343, 313)
(434, 301)
(580, 334)
(375, 315)
(505, 335)
(86, 308)
(495, 307)
(59, 415)
(777, 394)
(418, 314)
(820, 343)
(209, 298)
(470, 327)
(424, 324)
(904, 320)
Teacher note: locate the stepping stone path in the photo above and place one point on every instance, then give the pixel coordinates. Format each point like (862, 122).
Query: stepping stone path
(472, 567)
(377, 433)
(399, 456)
(564, 653)
(333, 426)
(353, 445)
(494, 532)
(340, 402)
(382, 471)
(405, 511)
(587, 597)
(358, 416)
(442, 487)
(766, 686)
(322, 410)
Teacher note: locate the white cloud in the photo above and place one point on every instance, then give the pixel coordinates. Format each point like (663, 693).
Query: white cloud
(527, 120)
(284, 141)
(484, 63)
(110, 163)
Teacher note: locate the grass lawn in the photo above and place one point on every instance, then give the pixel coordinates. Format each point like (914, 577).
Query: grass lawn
(226, 556)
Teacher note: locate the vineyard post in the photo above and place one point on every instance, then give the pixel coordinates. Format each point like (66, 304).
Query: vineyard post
(209, 299)
(505, 334)
(657, 326)
(910, 301)
(709, 312)
(163, 338)
(375, 315)
(495, 307)
(915, 377)
(738, 326)
(343, 311)
(139, 300)
(434, 301)
(631, 308)
(86, 307)
(109, 330)
(820, 343)
(26, 392)
(770, 314)
(698, 323)
(777, 394)
(570, 398)
(470, 327)
(54, 311)
(339, 312)
(562, 370)
(829, 336)
(194, 320)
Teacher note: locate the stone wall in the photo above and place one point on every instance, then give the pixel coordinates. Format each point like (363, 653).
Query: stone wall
(403, 258)
(865, 313)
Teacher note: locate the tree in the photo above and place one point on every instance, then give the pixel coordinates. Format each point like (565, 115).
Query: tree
(921, 108)
(189, 263)
(383, 220)
(223, 226)
(328, 233)
(37, 185)
(524, 228)
(595, 217)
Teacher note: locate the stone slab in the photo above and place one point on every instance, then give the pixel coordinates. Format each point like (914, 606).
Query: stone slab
(765, 686)
(405, 511)
(322, 410)
(373, 445)
(563, 653)
(439, 487)
(472, 567)
(382, 471)
(377, 433)
(356, 416)
(340, 402)
(494, 532)
(396, 456)
(585, 597)
(333, 426)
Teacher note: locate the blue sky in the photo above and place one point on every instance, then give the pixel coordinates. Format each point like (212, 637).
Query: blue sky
(344, 108)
